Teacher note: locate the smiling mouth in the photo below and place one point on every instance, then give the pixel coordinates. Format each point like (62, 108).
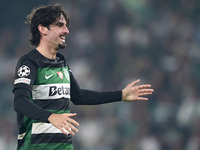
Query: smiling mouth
(62, 38)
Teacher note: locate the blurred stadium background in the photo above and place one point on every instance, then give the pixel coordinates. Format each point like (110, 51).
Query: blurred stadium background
(111, 43)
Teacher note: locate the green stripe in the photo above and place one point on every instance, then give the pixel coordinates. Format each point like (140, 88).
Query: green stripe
(28, 124)
(55, 78)
(41, 80)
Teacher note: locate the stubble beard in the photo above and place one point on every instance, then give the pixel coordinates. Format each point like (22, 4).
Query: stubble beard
(61, 46)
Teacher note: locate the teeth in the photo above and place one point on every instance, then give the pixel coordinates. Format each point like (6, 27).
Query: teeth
(62, 38)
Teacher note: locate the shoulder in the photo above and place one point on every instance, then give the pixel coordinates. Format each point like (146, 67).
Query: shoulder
(27, 60)
(28, 56)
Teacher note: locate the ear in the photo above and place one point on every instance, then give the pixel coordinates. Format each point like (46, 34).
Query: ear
(43, 30)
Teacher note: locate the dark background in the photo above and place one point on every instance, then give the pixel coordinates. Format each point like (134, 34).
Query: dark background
(111, 43)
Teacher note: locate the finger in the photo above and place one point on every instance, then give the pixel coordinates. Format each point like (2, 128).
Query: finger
(145, 90)
(142, 98)
(70, 114)
(147, 93)
(68, 130)
(69, 125)
(135, 82)
(72, 127)
(144, 86)
(63, 130)
(73, 121)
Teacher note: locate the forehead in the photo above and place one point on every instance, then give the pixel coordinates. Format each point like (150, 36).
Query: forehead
(61, 19)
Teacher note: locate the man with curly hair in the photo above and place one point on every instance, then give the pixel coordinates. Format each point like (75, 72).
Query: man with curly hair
(44, 85)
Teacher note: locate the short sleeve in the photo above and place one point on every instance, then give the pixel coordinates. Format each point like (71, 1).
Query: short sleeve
(25, 74)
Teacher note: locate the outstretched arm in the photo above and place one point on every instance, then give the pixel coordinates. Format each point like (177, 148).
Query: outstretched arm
(132, 92)
(87, 97)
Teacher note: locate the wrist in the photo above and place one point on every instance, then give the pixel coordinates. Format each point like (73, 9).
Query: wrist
(123, 95)
(49, 118)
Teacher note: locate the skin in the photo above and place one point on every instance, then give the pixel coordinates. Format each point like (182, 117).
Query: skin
(51, 40)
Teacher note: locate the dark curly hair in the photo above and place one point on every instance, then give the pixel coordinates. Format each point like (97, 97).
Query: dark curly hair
(44, 15)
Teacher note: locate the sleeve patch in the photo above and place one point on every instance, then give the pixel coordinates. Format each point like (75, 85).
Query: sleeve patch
(23, 71)
(22, 80)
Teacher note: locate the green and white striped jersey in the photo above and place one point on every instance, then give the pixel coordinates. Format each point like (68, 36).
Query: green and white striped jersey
(49, 83)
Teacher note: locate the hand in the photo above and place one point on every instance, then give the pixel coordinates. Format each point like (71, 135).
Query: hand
(132, 92)
(64, 122)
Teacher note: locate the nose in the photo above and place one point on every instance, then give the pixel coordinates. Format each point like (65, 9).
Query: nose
(66, 29)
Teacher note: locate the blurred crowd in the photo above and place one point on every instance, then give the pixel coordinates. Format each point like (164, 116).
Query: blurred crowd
(112, 43)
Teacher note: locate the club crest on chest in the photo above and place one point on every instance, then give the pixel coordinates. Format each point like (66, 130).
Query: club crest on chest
(60, 74)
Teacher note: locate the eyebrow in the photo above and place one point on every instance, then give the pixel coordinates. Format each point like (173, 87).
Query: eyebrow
(59, 23)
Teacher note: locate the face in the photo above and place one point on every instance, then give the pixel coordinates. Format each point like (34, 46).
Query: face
(57, 33)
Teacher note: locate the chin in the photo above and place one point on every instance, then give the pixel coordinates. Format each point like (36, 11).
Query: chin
(61, 46)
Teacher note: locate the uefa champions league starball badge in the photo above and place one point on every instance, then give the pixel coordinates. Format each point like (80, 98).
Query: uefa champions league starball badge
(24, 71)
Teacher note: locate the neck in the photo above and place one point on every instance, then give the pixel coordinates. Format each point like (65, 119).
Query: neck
(47, 52)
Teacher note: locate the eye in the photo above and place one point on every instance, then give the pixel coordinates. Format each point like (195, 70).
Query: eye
(59, 24)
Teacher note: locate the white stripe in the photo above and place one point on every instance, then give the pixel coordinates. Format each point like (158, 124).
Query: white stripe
(38, 128)
(21, 136)
(51, 91)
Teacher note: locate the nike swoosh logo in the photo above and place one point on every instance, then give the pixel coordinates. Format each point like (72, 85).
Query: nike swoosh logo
(47, 77)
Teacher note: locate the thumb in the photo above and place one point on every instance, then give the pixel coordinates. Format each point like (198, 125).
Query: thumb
(135, 82)
(71, 114)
